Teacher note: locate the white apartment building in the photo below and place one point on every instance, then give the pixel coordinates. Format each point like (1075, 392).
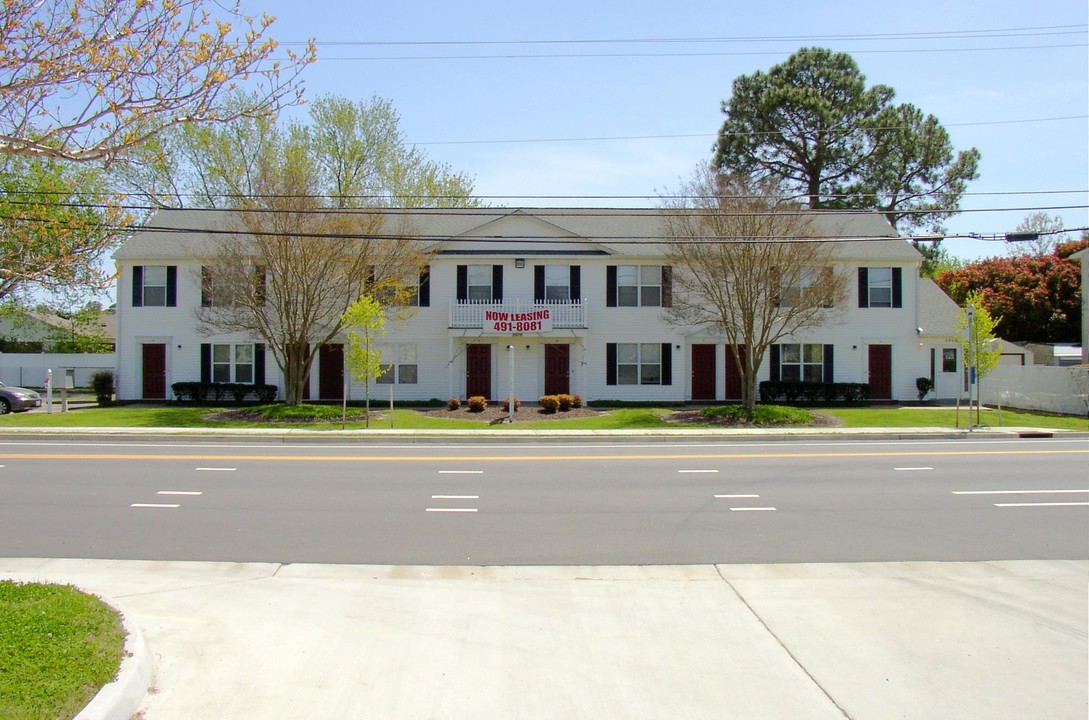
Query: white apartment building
(574, 300)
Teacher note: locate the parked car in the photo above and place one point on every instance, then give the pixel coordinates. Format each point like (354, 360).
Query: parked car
(17, 399)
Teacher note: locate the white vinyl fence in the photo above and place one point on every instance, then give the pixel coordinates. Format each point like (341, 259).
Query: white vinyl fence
(28, 369)
(1038, 387)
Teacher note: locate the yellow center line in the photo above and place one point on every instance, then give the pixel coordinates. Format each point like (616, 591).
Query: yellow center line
(524, 458)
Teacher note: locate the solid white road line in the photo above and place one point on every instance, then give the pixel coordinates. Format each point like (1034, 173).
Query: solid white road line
(153, 505)
(211, 469)
(908, 469)
(179, 492)
(736, 496)
(697, 471)
(1039, 504)
(461, 472)
(455, 497)
(1018, 492)
(454, 510)
(753, 509)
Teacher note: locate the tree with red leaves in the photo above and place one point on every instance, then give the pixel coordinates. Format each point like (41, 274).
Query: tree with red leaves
(1038, 298)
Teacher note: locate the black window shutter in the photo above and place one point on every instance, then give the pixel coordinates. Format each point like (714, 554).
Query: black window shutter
(259, 364)
(138, 286)
(775, 374)
(897, 287)
(610, 363)
(576, 282)
(667, 364)
(497, 283)
(463, 282)
(610, 286)
(171, 285)
(667, 286)
(424, 293)
(538, 283)
(829, 371)
(205, 286)
(206, 362)
(863, 287)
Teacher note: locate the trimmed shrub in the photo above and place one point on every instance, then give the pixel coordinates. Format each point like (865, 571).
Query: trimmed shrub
(549, 403)
(506, 404)
(453, 404)
(102, 384)
(565, 401)
(812, 392)
(576, 401)
(201, 391)
(477, 403)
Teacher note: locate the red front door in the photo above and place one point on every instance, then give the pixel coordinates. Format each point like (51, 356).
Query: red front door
(703, 372)
(880, 372)
(478, 371)
(331, 372)
(557, 369)
(154, 371)
(733, 372)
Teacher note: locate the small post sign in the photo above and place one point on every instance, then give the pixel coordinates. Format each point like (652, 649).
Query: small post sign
(503, 322)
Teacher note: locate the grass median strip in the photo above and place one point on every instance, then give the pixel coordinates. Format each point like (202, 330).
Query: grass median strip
(58, 647)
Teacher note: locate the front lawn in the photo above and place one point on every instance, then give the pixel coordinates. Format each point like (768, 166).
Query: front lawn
(58, 647)
(326, 417)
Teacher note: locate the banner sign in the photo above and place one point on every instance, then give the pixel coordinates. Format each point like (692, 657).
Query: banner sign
(511, 323)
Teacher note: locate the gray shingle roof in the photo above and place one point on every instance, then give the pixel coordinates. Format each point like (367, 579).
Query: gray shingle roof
(179, 234)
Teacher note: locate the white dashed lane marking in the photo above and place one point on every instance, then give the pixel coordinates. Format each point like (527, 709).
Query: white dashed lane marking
(154, 505)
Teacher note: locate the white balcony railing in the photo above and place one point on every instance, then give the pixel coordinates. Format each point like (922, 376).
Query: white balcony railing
(469, 314)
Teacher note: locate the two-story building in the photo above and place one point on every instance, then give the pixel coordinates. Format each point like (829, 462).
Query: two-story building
(569, 300)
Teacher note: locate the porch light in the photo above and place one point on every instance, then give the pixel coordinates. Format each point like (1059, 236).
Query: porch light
(519, 263)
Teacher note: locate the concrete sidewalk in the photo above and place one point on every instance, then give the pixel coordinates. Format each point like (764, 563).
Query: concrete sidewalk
(860, 641)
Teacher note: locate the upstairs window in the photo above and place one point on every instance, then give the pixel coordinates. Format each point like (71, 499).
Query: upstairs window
(880, 287)
(480, 283)
(637, 286)
(155, 286)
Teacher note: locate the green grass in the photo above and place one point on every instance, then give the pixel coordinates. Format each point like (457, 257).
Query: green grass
(947, 417)
(58, 647)
(327, 417)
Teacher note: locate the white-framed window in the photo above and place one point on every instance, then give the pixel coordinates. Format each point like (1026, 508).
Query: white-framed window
(809, 280)
(557, 283)
(880, 287)
(404, 370)
(638, 364)
(801, 362)
(232, 363)
(154, 287)
(480, 283)
(639, 285)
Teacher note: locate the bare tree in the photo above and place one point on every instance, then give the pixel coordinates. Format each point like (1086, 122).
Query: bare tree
(746, 264)
(289, 276)
(85, 80)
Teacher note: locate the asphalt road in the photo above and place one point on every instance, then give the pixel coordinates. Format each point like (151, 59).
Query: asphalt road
(576, 504)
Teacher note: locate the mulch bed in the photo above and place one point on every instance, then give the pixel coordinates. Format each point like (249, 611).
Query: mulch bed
(496, 414)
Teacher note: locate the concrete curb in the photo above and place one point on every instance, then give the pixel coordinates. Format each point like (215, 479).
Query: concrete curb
(119, 699)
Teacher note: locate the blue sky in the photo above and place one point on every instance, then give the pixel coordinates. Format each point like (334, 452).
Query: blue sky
(634, 118)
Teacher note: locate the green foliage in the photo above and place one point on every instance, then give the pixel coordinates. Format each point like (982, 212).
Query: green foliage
(102, 384)
(58, 647)
(923, 385)
(813, 124)
(365, 321)
(1036, 298)
(192, 391)
(761, 415)
(980, 346)
(303, 411)
(54, 228)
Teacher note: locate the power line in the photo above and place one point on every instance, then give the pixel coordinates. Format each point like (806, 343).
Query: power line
(923, 35)
(555, 56)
